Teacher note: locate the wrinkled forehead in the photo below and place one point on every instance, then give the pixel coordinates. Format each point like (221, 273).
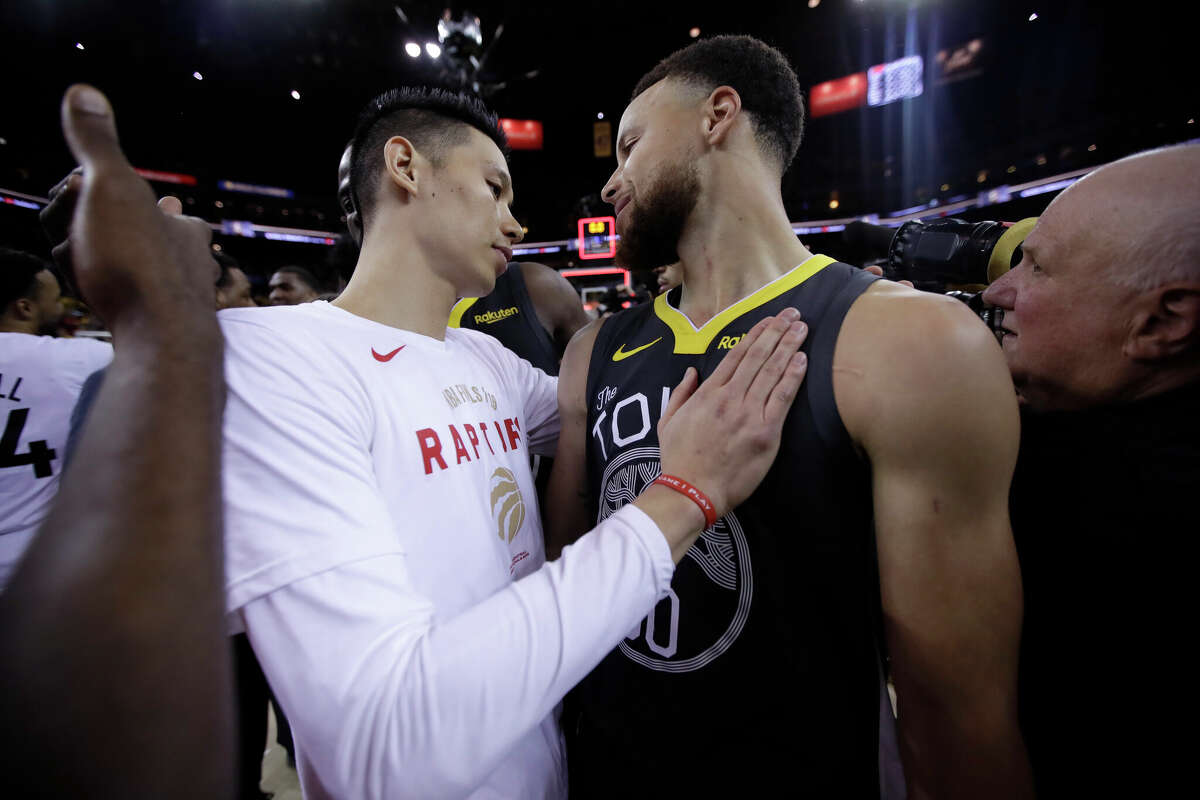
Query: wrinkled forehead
(1088, 219)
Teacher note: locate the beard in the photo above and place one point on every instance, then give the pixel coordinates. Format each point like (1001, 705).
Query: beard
(651, 239)
(48, 326)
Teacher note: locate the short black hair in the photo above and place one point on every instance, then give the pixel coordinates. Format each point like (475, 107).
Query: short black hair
(18, 275)
(433, 119)
(759, 73)
(226, 262)
(304, 275)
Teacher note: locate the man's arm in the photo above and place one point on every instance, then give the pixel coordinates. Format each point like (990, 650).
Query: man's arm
(556, 302)
(567, 513)
(933, 406)
(386, 700)
(111, 629)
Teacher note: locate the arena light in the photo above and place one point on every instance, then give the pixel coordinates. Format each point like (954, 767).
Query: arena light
(1033, 16)
(1053, 186)
(1091, 148)
(16, 201)
(251, 188)
(901, 79)
(413, 49)
(600, 115)
(295, 94)
(814, 3)
(434, 50)
(197, 76)
(843, 94)
(166, 177)
(523, 134)
(79, 45)
(594, 271)
(694, 33)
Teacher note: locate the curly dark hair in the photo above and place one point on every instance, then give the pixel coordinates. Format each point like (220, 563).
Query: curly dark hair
(226, 262)
(759, 73)
(18, 275)
(433, 119)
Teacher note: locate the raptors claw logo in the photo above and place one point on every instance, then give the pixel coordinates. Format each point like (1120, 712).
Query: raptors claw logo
(507, 504)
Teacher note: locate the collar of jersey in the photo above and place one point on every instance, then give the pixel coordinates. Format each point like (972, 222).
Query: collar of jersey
(460, 308)
(692, 340)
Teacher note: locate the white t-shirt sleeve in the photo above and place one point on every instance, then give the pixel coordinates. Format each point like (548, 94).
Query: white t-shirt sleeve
(299, 487)
(386, 704)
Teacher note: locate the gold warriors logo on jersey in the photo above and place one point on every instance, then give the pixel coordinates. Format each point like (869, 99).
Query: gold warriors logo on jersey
(507, 504)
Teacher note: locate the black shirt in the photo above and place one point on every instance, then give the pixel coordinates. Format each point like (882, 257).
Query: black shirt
(760, 669)
(507, 314)
(1106, 511)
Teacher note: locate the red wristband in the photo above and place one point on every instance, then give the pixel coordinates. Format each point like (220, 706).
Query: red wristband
(695, 495)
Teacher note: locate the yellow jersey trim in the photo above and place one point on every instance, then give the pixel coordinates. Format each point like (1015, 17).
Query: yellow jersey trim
(691, 340)
(460, 308)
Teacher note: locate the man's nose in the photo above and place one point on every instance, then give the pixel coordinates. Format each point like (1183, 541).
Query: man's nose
(1002, 292)
(512, 228)
(609, 192)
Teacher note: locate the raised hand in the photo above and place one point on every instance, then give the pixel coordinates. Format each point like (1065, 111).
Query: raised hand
(127, 256)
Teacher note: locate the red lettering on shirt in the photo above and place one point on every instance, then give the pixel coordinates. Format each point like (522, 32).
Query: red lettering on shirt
(472, 437)
(500, 433)
(486, 440)
(514, 433)
(431, 449)
(460, 449)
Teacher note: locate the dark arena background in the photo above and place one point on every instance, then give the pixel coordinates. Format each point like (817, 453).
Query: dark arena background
(980, 109)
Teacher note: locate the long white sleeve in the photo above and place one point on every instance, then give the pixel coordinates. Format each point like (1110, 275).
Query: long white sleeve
(386, 704)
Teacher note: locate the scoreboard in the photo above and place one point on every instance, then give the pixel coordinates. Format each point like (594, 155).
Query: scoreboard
(597, 237)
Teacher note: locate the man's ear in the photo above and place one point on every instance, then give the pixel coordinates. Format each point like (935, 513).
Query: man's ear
(401, 160)
(22, 309)
(721, 111)
(1168, 324)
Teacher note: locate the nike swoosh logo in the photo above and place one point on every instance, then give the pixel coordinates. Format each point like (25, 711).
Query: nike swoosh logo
(623, 354)
(388, 357)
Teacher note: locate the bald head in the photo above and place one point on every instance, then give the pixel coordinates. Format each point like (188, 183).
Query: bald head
(1105, 304)
(1136, 217)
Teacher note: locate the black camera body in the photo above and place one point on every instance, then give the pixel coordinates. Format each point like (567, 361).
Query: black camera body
(948, 256)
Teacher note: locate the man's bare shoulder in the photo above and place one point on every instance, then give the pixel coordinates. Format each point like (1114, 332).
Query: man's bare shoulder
(912, 358)
(572, 374)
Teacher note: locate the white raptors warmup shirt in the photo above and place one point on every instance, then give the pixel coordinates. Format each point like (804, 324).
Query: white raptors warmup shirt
(384, 552)
(40, 379)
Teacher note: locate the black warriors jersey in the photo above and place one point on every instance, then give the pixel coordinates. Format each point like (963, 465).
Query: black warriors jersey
(507, 314)
(760, 669)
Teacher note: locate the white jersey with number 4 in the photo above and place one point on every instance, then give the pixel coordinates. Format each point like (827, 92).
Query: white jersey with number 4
(40, 379)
